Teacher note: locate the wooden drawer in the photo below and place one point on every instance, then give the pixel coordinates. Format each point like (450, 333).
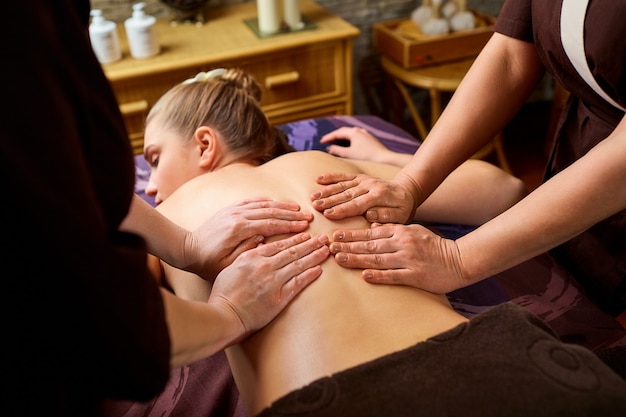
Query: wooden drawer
(299, 75)
(298, 82)
(300, 113)
(303, 74)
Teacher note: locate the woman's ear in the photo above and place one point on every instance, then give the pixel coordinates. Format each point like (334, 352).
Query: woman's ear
(207, 146)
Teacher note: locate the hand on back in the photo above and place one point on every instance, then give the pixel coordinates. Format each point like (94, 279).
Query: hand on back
(401, 254)
(240, 227)
(262, 281)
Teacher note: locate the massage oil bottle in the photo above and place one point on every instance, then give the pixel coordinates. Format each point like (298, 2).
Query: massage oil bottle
(104, 40)
(141, 35)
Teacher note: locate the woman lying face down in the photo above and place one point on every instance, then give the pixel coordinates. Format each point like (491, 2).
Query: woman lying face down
(209, 145)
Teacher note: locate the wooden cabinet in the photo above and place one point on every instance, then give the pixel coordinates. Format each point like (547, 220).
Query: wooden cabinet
(304, 74)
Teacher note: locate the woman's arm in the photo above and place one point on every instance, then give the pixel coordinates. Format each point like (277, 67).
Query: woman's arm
(589, 190)
(496, 86)
(245, 296)
(362, 147)
(474, 193)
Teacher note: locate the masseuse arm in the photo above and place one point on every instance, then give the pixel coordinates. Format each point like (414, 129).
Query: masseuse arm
(590, 190)
(496, 86)
(245, 296)
(215, 244)
(586, 192)
(472, 194)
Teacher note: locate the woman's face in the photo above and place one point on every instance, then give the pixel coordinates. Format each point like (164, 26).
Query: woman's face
(173, 160)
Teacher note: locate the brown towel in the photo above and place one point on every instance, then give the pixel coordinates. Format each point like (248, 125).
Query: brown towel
(504, 362)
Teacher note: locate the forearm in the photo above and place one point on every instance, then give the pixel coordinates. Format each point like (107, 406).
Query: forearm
(244, 298)
(478, 110)
(588, 191)
(198, 329)
(168, 244)
(397, 159)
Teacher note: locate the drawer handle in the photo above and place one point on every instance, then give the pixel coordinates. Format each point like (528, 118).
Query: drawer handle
(282, 79)
(134, 107)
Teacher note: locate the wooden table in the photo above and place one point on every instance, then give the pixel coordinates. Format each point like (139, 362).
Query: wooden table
(304, 74)
(437, 79)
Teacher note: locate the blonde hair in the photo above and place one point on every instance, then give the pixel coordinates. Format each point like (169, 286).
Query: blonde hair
(228, 101)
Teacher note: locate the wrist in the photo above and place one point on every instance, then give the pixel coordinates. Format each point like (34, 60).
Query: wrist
(200, 329)
(187, 255)
(413, 192)
(178, 253)
(472, 263)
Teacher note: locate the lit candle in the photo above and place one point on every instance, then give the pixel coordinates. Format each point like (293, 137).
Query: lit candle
(269, 16)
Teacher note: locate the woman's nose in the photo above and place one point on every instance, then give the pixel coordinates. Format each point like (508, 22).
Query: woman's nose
(151, 189)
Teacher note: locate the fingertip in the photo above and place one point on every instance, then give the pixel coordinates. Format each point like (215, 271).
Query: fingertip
(334, 248)
(317, 271)
(339, 235)
(368, 276)
(341, 258)
(371, 215)
(323, 239)
(307, 277)
(298, 225)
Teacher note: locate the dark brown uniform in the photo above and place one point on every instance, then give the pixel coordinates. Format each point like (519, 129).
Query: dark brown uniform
(598, 256)
(82, 317)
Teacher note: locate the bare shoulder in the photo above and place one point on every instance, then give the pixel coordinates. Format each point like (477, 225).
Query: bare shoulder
(290, 177)
(319, 162)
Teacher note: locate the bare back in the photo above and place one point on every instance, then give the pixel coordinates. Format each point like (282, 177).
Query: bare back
(339, 321)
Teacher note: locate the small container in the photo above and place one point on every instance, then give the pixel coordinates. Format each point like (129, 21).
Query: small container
(141, 34)
(104, 40)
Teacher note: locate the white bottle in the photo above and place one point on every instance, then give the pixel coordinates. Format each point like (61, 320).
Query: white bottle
(141, 34)
(104, 40)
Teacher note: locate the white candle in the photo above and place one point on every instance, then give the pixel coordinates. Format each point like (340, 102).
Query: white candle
(293, 18)
(269, 16)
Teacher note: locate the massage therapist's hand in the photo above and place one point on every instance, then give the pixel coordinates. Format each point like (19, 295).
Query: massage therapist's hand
(408, 255)
(238, 228)
(346, 195)
(261, 282)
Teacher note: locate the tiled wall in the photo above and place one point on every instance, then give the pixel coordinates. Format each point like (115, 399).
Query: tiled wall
(361, 13)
